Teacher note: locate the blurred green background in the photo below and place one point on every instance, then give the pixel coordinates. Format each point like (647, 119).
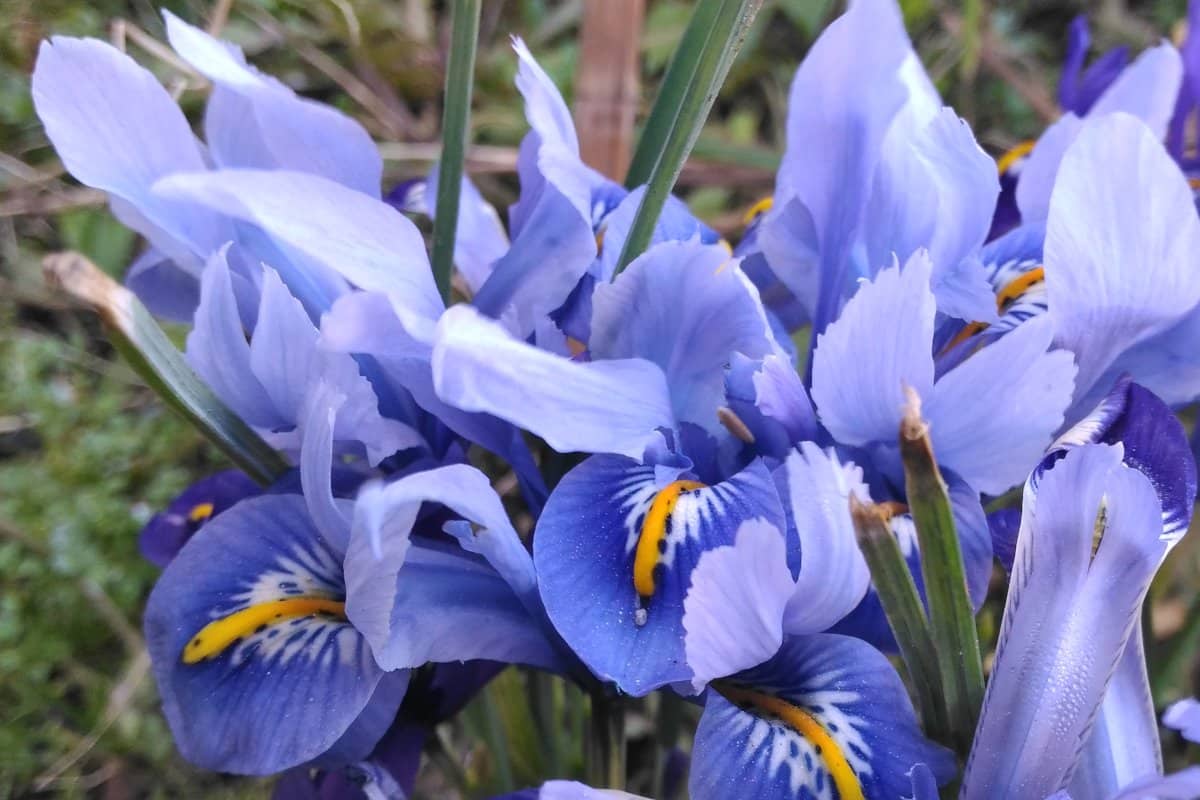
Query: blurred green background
(87, 454)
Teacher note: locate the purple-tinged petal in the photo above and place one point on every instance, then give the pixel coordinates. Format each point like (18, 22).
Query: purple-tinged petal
(170, 529)
(833, 575)
(615, 548)
(878, 346)
(1070, 610)
(991, 436)
(1120, 241)
(631, 320)
(924, 784)
(826, 717)
(599, 407)
(548, 256)
(1078, 89)
(676, 223)
(255, 121)
(165, 288)
(732, 623)
(1146, 89)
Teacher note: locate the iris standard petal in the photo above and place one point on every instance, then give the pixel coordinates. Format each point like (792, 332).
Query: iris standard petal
(360, 237)
(833, 575)
(219, 353)
(615, 549)
(479, 238)
(168, 290)
(389, 593)
(676, 223)
(879, 345)
(845, 95)
(733, 612)
(1071, 606)
(1119, 243)
(87, 95)
(257, 665)
(991, 437)
(826, 717)
(633, 318)
(548, 115)
(256, 121)
(598, 407)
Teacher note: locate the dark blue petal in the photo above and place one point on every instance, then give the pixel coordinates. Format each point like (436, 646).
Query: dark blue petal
(169, 530)
(586, 550)
(827, 717)
(257, 666)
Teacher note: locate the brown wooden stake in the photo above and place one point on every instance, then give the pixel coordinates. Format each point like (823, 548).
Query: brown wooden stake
(606, 86)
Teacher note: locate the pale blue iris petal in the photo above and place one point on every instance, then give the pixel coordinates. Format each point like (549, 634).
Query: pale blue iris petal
(285, 692)
(1067, 618)
(272, 127)
(1182, 785)
(1123, 743)
(844, 97)
(548, 115)
(675, 224)
(219, 353)
(733, 612)
(87, 95)
(991, 437)
(842, 685)
(1184, 716)
(547, 258)
(394, 599)
(283, 348)
(316, 464)
(363, 239)
(1120, 244)
(665, 308)
(780, 395)
(833, 575)
(585, 551)
(879, 345)
(598, 407)
(479, 239)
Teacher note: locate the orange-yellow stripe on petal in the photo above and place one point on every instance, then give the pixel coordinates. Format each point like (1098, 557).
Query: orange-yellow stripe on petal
(654, 532)
(1006, 161)
(844, 778)
(215, 637)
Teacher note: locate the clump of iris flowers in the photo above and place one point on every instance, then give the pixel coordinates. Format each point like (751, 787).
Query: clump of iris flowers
(701, 493)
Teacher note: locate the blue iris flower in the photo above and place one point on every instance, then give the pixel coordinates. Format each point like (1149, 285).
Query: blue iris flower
(283, 633)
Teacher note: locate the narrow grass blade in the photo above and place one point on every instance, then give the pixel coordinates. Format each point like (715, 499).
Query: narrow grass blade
(456, 120)
(905, 614)
(680, 72)
(696, 74)
(951, 617)
(605, 743)
(138, 338)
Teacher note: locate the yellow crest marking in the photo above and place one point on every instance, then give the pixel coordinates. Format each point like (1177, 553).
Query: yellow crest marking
(654, 531)
(759, 208)
(805, 724)
(200, 512)
(218, 635)
(1011, 292)
(1006, 161)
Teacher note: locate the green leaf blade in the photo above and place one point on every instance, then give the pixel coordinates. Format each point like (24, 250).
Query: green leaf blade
(456, 121)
